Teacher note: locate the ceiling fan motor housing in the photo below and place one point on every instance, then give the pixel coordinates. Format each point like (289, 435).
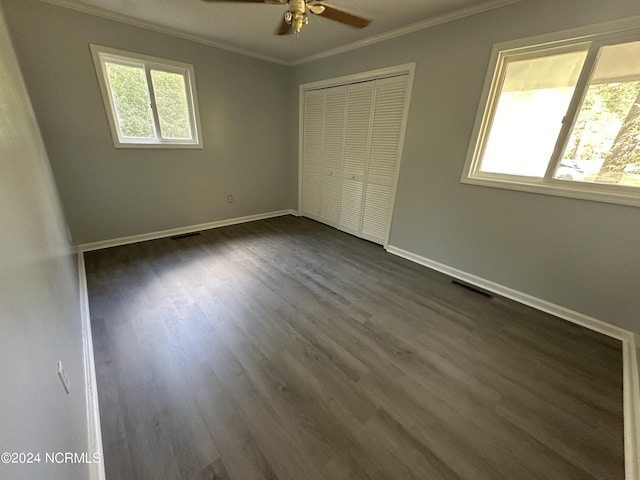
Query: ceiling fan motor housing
(296, 15)
(297, 6)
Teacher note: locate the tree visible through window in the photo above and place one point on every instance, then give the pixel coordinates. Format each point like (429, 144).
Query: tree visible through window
(605, 141)
(563, 118)
(150, 101)
(171, 101)
(131, 99)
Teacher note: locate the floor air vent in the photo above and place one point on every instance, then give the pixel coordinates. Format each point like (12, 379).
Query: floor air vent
(185, 235)
(473, 289)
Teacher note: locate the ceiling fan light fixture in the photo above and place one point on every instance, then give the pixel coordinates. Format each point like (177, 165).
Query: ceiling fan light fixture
(298, 20)
(296, 16)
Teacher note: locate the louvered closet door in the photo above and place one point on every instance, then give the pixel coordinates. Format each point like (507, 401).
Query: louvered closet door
(356, 150)
(312, 154)
(388, 116)
(352, 136)
(332, 153)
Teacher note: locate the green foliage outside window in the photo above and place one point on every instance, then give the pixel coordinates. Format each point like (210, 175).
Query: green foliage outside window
(171, 101)
(608, 129)
(130, 95)
(604, 106)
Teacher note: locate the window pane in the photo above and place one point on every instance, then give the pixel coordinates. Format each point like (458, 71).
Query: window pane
(526, 122)
(604, 146)
(171, 102)
(131, 98)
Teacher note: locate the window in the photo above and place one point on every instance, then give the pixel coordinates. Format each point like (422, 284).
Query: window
(562, 118)
(150, 102)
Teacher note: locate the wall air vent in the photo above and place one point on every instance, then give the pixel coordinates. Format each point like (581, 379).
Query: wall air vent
(185, 235)
(473, 289)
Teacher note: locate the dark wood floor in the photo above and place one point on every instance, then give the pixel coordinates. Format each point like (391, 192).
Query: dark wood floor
(284, 349)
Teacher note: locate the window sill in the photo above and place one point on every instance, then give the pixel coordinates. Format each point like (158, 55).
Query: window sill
(559, 189)
(159, 145)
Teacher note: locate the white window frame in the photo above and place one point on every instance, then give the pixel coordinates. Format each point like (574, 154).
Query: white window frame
(593, 37)
(102, 54)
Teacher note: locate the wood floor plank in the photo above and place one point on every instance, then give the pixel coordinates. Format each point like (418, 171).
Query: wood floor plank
(284, 350)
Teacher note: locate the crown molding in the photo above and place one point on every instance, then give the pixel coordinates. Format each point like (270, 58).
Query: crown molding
(147, 25)
(414, 27)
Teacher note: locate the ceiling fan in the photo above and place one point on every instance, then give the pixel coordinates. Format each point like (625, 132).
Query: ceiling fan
(296, 16)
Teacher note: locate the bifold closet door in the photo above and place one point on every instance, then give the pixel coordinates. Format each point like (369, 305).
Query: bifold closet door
(312, 154)
(323, 150)
(352, 136)
(384, 155)
(356, 151)
(333, 123)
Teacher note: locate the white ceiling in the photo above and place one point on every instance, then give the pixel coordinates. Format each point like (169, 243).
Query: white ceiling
(249, 27)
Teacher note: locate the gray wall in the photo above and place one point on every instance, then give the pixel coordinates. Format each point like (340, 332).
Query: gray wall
(39, 303)
(109, 193)
(579, 254)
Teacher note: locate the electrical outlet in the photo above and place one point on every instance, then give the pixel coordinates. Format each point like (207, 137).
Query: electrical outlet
(63, 377)
(229, 198)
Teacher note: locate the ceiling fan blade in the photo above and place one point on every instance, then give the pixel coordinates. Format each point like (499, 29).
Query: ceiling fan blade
(343, 16)
(284, 28)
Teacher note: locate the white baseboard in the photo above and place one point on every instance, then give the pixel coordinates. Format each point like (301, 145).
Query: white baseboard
(115, 242)
(94, 433)
(631, 381)
(520, 297)
(632, 410)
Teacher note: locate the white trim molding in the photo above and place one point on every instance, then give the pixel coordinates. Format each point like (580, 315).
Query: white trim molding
(632, 409)
(587, 40)
(406, 69)
(520, 297)
(457, 14)
(631, 381)
(94, 432)
(393, 71)
(630, 342)
(156, 27)
(87, 247)
(147, 64)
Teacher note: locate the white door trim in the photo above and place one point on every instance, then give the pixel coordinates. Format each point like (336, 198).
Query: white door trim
(404, 69)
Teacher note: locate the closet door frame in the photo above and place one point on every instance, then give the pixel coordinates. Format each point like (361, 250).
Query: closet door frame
(405, 69)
